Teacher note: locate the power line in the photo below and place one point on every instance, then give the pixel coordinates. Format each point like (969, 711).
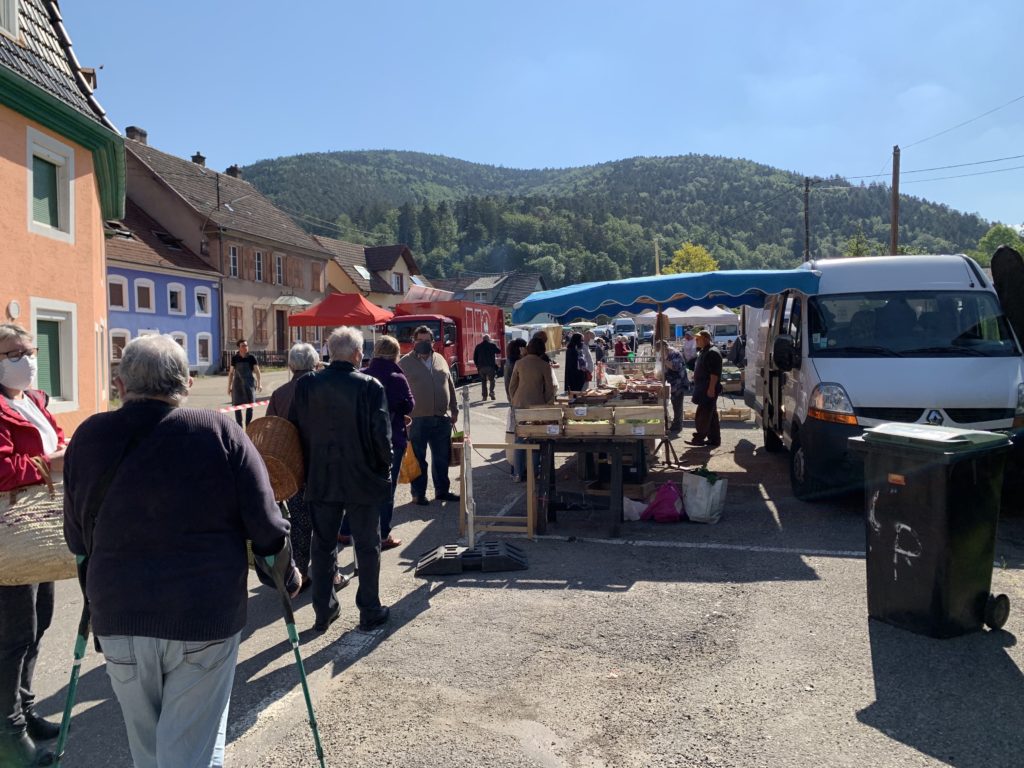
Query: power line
(964, 175)
(965, 122)
(939, 167)
(770, 200)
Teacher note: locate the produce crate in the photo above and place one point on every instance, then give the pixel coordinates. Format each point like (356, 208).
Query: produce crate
(539, 422)
(588, 420)
(636, 491)
(640, 420)
(734, 414)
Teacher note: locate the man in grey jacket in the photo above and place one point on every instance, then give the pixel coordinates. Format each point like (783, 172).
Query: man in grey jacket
(433, 416)
(343, 422)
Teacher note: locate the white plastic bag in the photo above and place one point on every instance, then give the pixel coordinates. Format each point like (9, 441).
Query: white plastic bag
(631, 510)
(702, 499)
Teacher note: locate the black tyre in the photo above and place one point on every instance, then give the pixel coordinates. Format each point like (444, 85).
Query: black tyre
(772, 442)
(804, 488)
(997, 611)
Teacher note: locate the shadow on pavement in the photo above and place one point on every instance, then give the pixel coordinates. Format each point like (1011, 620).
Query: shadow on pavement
(960, 701)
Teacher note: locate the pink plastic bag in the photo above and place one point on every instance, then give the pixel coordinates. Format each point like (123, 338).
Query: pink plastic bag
(667, 505)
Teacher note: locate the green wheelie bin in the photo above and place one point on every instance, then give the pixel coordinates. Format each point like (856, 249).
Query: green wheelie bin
(932, 499)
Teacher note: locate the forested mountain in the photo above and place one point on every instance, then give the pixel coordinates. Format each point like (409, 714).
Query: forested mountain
(595, 222)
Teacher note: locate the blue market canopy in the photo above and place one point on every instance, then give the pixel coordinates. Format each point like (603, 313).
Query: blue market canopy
(732, 288)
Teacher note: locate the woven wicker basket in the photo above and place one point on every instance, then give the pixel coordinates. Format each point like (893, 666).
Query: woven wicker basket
(277, 440)
(32, 546)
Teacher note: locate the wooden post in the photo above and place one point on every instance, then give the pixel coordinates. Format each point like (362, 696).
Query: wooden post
(894, 216)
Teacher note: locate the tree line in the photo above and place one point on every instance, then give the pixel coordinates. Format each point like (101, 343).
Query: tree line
(597, 222)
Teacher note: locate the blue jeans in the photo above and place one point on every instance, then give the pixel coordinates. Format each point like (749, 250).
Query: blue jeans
(386, 509)
(435, 432)
(521, 461)
(174, 696)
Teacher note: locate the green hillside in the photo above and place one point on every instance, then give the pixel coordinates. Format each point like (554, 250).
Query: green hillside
(594, 222)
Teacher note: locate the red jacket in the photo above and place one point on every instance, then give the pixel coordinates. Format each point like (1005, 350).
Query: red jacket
(20, 441)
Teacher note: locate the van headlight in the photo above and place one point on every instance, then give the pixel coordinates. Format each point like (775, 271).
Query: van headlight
(829, 402)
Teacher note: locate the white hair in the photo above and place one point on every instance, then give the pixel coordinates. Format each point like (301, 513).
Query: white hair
(302, 357)
(344, 342)
(154, 366)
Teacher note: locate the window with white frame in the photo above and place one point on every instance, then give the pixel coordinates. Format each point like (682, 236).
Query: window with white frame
(51, 170)
(182, 340)
(56, 333)
(204, 342)
(203, 302)
(398, 282)
(259, 266)
(9, 17)
(144, 297)
(233, 261)
(175, 299)
(117, 293)
(278, 269)
(119, 337)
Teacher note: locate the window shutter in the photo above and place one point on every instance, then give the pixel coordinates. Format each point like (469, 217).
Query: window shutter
(44, 192)
(48, 341)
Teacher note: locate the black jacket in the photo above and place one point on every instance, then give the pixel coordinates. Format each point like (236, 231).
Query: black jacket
(486, 354)
(343, 420)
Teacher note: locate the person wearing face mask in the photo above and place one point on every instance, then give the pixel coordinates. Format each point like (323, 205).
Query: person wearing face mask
(31, 452)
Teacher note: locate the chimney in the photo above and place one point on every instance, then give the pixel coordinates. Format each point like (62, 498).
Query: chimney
(199, 160)
(234, 171)
(135, 133)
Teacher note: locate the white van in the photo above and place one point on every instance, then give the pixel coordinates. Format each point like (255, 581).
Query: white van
(916, 339)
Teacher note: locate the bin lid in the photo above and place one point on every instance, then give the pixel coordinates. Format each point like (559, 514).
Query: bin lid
(926, 437)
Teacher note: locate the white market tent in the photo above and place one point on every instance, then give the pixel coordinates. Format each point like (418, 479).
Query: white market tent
(691, 316)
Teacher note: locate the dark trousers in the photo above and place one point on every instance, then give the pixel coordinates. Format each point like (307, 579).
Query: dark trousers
(706, 424)
(677, 410)
(487, 380)
(241, 396)
(364, 521)
(301, 532)
(25, 614)
(387, 509)
(435, 432)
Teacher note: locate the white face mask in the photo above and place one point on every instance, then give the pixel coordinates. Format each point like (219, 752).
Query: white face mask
(18, 374)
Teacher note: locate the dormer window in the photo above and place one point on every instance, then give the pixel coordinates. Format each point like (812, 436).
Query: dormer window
(169, 240)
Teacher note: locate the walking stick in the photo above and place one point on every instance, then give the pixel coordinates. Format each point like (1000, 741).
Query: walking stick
(293, 638)
(76, 667)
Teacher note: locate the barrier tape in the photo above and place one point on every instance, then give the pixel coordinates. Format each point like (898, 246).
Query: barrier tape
(230, 408)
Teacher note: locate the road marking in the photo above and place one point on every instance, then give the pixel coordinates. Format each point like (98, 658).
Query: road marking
(515, 500)
(770, 504)
(706, 545)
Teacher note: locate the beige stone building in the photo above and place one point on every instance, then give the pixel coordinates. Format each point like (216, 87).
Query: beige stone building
(383, 274)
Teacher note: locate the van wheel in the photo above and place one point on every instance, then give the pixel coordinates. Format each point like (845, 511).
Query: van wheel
(804, 488)
(772, 442)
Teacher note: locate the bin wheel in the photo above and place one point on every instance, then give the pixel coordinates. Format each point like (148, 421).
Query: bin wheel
(997, 611)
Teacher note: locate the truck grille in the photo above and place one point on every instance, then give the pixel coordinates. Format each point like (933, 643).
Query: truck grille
(905, 415)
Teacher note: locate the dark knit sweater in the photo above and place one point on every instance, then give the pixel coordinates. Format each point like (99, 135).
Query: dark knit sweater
(169, 557)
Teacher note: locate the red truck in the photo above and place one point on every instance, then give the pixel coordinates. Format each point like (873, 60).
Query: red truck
(458, 326)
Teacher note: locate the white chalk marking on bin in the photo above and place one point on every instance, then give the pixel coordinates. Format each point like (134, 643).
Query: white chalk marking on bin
(911, 548)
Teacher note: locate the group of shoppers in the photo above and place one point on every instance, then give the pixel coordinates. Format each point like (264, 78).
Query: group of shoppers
(160, 500)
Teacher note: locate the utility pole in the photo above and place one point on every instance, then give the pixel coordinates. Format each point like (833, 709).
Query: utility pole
(807, 219)
(657, 257)
(894, 216)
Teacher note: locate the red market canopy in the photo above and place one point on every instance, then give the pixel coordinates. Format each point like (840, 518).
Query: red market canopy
(341, 309)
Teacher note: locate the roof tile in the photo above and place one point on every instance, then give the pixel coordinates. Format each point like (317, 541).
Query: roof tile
(145, 248)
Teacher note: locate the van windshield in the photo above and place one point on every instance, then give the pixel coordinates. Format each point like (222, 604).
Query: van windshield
(624, 326)
(403, 330)
(909, 324)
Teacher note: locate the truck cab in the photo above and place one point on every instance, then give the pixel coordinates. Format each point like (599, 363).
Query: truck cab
(915, 339)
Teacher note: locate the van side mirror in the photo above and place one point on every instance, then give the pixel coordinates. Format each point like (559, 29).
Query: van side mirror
(785, 353)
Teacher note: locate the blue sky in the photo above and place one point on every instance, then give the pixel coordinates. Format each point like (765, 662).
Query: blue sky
(817, 88)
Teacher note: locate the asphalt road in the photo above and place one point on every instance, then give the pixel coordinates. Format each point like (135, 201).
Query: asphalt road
(745, 643)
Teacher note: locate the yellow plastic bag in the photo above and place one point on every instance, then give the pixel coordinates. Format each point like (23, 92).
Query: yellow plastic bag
(410, 466)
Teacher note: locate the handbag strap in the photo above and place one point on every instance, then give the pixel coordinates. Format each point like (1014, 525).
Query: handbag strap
(99, 492)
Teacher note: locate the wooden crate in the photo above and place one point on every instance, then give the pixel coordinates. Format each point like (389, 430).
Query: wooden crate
(652, 413)
(636, 491)
(734, 414)
(588, 420)
(545, 421)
